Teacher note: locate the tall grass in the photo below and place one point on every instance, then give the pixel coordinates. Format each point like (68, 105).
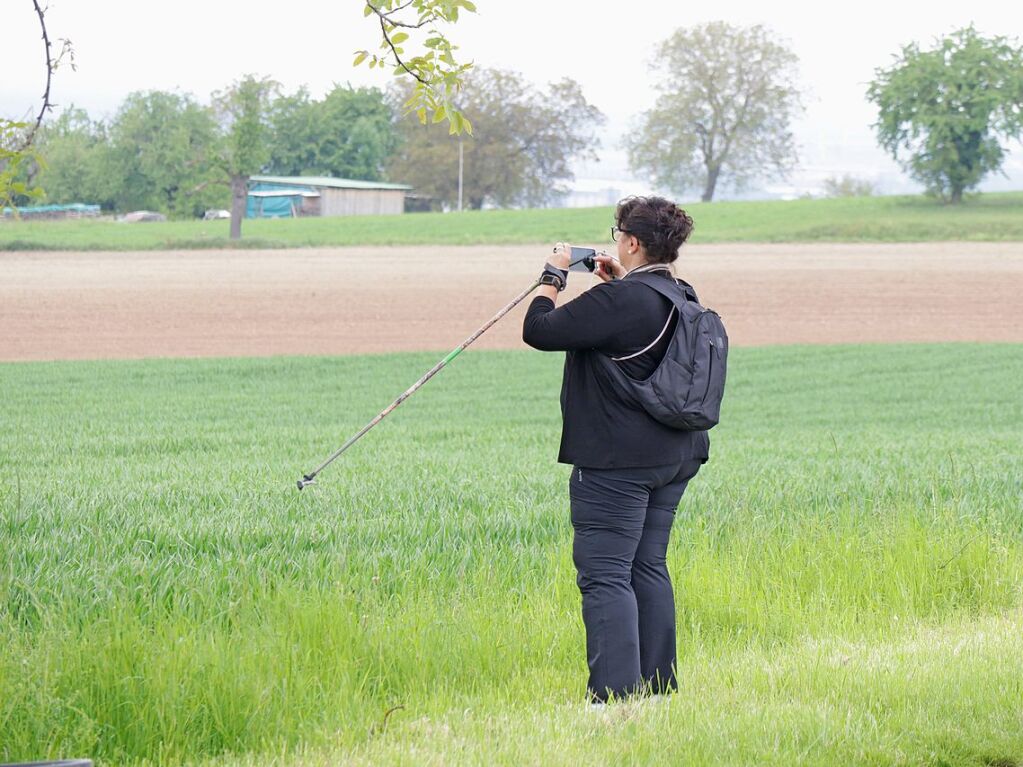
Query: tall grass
(848, 566)
(988, 217)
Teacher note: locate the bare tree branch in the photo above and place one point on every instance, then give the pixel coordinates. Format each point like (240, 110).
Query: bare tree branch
(51, 66)
(386, 16)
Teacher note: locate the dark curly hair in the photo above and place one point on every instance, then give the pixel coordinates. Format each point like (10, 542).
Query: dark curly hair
(661, 225)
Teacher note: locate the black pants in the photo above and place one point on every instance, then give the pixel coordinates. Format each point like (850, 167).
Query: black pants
(622, 520)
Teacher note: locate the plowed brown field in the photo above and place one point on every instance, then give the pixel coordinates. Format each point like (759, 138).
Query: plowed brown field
(345, 300)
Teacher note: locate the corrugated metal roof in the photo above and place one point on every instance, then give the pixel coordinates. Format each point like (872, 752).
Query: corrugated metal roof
(282, 193)
(327, 181)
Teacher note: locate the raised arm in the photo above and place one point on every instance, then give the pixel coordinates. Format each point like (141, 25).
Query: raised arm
(585, 322)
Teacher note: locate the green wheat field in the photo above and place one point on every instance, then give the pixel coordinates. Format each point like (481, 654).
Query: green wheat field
(848, 567)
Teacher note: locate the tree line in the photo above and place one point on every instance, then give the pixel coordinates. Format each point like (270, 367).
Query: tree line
(435, 74)
(727, 96)
(168, 152)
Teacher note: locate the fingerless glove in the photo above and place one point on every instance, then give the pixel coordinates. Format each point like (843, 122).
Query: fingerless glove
(552, 275)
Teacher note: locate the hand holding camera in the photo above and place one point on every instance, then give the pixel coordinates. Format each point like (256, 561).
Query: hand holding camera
(563, 256)
(601, 264)
(588, 260)
(608, 267)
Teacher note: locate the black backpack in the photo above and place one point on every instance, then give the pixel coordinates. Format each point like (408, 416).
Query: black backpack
(686, 388)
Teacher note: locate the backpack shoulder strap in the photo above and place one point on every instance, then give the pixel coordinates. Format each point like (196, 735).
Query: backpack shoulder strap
(679, 293)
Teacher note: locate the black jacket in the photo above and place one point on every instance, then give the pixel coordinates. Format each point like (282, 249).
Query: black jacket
(600, 430)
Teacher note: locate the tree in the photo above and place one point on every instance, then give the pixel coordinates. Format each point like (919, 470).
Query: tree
(77, 167)
(436, 76)
(243, 111)
(945, 110)
(18, 160)
(160, 152)
(727, 96)
(349, 133)
(521, 147)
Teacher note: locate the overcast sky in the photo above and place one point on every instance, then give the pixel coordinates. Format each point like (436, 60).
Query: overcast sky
(198, 46)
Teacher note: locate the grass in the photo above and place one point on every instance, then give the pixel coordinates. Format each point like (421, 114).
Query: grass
(849, 565)
(987, 217)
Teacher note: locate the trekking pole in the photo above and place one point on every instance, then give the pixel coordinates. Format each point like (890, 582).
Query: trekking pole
(311, 476)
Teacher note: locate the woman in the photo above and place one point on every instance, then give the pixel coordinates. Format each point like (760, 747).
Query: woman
(628, 470)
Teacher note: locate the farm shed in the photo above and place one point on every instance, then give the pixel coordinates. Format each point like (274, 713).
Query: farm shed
(283, 196)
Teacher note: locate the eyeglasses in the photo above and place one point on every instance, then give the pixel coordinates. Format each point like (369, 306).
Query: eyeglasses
(616, 231)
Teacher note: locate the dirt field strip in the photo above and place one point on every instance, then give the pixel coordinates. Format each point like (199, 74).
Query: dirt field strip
(352, 300)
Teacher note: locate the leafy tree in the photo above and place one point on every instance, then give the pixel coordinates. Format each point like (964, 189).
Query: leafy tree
(17, 159)
(243, 150)
(160, 147)
(78, 164)
(436, 76)
(350, 133)
(520, 149)
(295, 126)
(727, 96)
(943, 112)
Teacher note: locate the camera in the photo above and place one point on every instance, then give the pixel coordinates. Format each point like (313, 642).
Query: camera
(582, 260)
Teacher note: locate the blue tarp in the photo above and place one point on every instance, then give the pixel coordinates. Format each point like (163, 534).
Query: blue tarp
(278, 206)
(41, 210)
(275, 201)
